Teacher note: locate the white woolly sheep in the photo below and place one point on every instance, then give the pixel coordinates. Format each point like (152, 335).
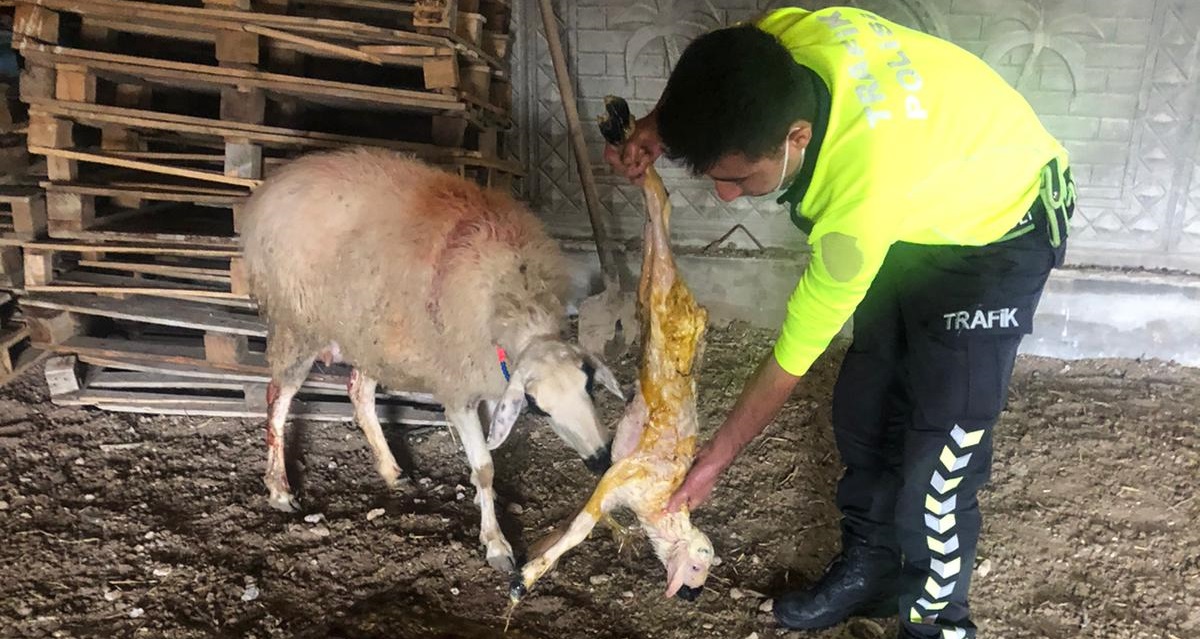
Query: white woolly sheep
(407, 272)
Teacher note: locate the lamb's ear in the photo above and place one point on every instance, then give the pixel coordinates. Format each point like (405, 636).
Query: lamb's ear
(601, 373)
(677, 568)
(512, 402)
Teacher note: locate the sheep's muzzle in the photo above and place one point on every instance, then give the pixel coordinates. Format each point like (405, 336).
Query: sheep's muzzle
(599, 462)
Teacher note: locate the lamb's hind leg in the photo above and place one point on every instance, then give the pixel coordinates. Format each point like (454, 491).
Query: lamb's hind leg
(362, 395)
(470, 432)
(282, 388)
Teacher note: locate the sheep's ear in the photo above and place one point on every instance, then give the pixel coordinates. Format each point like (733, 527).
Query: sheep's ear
(602, 374)
(506, 413)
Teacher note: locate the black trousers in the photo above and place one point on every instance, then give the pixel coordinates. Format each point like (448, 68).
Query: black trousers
(913, 409)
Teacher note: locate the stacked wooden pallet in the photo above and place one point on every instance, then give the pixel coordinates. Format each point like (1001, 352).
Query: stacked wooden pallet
(22, 218)
(157, 119)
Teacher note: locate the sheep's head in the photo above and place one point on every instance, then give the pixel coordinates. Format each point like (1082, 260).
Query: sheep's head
(556, 378)
(686, 553)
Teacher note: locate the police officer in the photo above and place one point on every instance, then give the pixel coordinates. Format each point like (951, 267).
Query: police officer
(936, 205)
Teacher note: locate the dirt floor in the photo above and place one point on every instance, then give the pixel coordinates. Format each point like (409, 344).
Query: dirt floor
(126, 526)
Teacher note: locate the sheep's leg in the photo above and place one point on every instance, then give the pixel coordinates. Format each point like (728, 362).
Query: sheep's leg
(362, 395)
(279, 401)
(470, 433)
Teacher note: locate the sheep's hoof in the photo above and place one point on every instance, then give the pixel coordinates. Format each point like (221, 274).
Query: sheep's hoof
(503, 563)
(284, 502)
(390, 475)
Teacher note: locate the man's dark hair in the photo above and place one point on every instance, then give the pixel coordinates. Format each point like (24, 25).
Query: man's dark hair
(734, 90)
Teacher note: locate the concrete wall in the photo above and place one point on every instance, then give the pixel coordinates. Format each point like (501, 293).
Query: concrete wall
(1118, 82)
(1084, 313)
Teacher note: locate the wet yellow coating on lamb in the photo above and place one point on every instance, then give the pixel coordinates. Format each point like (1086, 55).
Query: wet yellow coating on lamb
(673, 327)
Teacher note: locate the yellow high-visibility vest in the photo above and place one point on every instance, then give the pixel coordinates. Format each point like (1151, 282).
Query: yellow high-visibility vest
(920, 141)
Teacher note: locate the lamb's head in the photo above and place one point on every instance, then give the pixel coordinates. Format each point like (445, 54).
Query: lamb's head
(556, 378)
(686, 553)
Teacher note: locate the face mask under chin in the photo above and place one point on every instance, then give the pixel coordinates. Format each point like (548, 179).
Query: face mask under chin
(784, 182)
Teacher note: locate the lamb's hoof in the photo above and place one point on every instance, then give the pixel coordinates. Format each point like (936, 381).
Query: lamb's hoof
(284, 502)
(517, 589)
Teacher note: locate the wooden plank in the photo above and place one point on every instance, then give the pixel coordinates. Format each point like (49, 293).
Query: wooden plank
(317, 381)
(119, 380)
(373, 5)
(161, 194)
(405, 50)
(217, 276)
(33, 21)
(192, 19)
(108, 160)
(96, 347)
(157, 311)
(164, 289)
(221, 76)
(119, 290)
(96, 115)
(13, 336)
(108, 235)
(84, 247)
(165, 404)
(110, 379)
(238, 47)
(314, 44)
(28, 359)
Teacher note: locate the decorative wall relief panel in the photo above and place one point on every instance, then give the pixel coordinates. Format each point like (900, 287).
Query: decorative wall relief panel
(1117, 80)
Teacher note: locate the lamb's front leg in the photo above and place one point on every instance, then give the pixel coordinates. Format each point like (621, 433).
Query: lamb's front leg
(581, 526)
(548, 551)
(470, 433)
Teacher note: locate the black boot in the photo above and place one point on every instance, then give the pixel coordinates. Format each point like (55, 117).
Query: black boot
(860, 582)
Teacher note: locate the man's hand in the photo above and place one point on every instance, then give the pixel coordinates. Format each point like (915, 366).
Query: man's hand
(762, 397)
(633, 158)
(698, 484)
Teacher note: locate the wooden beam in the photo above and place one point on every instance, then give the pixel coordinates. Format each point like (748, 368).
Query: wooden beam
(74, 83)
(312, 43)
(142, 166)
(239, 47)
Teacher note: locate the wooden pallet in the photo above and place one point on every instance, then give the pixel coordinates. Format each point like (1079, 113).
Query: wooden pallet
(225, 115)
(17, 353)
(22, 212)
(163, 356)
(198, 391)
(302, 48)
(211, 274)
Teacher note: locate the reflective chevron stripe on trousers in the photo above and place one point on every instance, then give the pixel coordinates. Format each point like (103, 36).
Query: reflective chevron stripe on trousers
(915, 404)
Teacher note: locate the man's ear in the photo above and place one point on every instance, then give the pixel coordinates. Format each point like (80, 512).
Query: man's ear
(512, 402)
(800, 134)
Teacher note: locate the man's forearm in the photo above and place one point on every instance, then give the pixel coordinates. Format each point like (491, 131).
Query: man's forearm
(763, 396)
